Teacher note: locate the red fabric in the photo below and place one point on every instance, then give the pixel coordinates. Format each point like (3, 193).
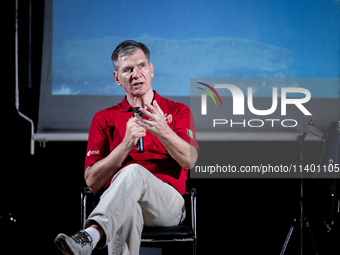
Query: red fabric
(108, 130)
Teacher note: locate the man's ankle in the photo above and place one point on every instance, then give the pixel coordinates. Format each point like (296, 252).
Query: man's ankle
(99, 229)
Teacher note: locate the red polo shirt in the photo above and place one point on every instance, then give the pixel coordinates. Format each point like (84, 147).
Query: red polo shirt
(108, 130)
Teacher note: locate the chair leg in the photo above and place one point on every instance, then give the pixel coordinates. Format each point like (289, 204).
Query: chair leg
(194, 247)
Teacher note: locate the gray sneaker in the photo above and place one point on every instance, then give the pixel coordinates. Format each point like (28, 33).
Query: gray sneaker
(78, 244)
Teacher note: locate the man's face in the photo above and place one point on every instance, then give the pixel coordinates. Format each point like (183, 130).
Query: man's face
(134, 74)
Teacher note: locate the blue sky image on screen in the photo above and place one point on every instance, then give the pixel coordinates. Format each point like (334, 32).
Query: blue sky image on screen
(196, 39)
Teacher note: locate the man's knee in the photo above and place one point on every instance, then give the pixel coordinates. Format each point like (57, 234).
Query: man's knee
(135, 170)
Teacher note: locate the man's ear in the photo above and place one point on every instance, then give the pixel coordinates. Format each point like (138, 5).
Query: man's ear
(115, 76)
(151, 68)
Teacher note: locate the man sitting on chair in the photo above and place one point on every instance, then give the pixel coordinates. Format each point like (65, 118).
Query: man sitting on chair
(140, 188)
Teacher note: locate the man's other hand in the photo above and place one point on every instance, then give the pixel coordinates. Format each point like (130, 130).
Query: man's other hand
(133, 132)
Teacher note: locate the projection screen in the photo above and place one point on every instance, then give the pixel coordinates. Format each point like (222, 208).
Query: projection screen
(188, 40)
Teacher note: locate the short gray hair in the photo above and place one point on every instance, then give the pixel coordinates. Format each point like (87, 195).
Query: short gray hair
(127, 48)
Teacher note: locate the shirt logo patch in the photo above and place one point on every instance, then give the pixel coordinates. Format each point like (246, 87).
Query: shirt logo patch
(89, 153)
(191, 134)
(168, 118)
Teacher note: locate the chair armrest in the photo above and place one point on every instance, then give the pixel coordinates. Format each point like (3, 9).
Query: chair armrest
(193, 195)
(83, 201)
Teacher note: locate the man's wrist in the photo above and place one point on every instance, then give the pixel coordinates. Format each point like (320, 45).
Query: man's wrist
(127, 145)
(167, 134)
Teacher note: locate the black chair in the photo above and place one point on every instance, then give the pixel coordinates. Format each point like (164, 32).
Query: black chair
(186, 232)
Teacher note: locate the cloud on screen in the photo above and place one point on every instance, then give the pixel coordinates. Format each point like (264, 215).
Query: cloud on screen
(84, 67)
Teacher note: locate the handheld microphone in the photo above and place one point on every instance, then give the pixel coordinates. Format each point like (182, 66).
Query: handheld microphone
(140, 143)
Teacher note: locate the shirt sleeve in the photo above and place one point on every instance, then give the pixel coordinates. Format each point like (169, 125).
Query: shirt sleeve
(184, 126)
(98, 143)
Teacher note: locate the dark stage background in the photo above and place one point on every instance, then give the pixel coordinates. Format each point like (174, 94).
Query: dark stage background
(244, 216)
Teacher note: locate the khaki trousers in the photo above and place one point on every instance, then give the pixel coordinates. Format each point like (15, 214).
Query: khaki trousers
(135, 198)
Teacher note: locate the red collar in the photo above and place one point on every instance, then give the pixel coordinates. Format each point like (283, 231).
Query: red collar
(126, 107)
